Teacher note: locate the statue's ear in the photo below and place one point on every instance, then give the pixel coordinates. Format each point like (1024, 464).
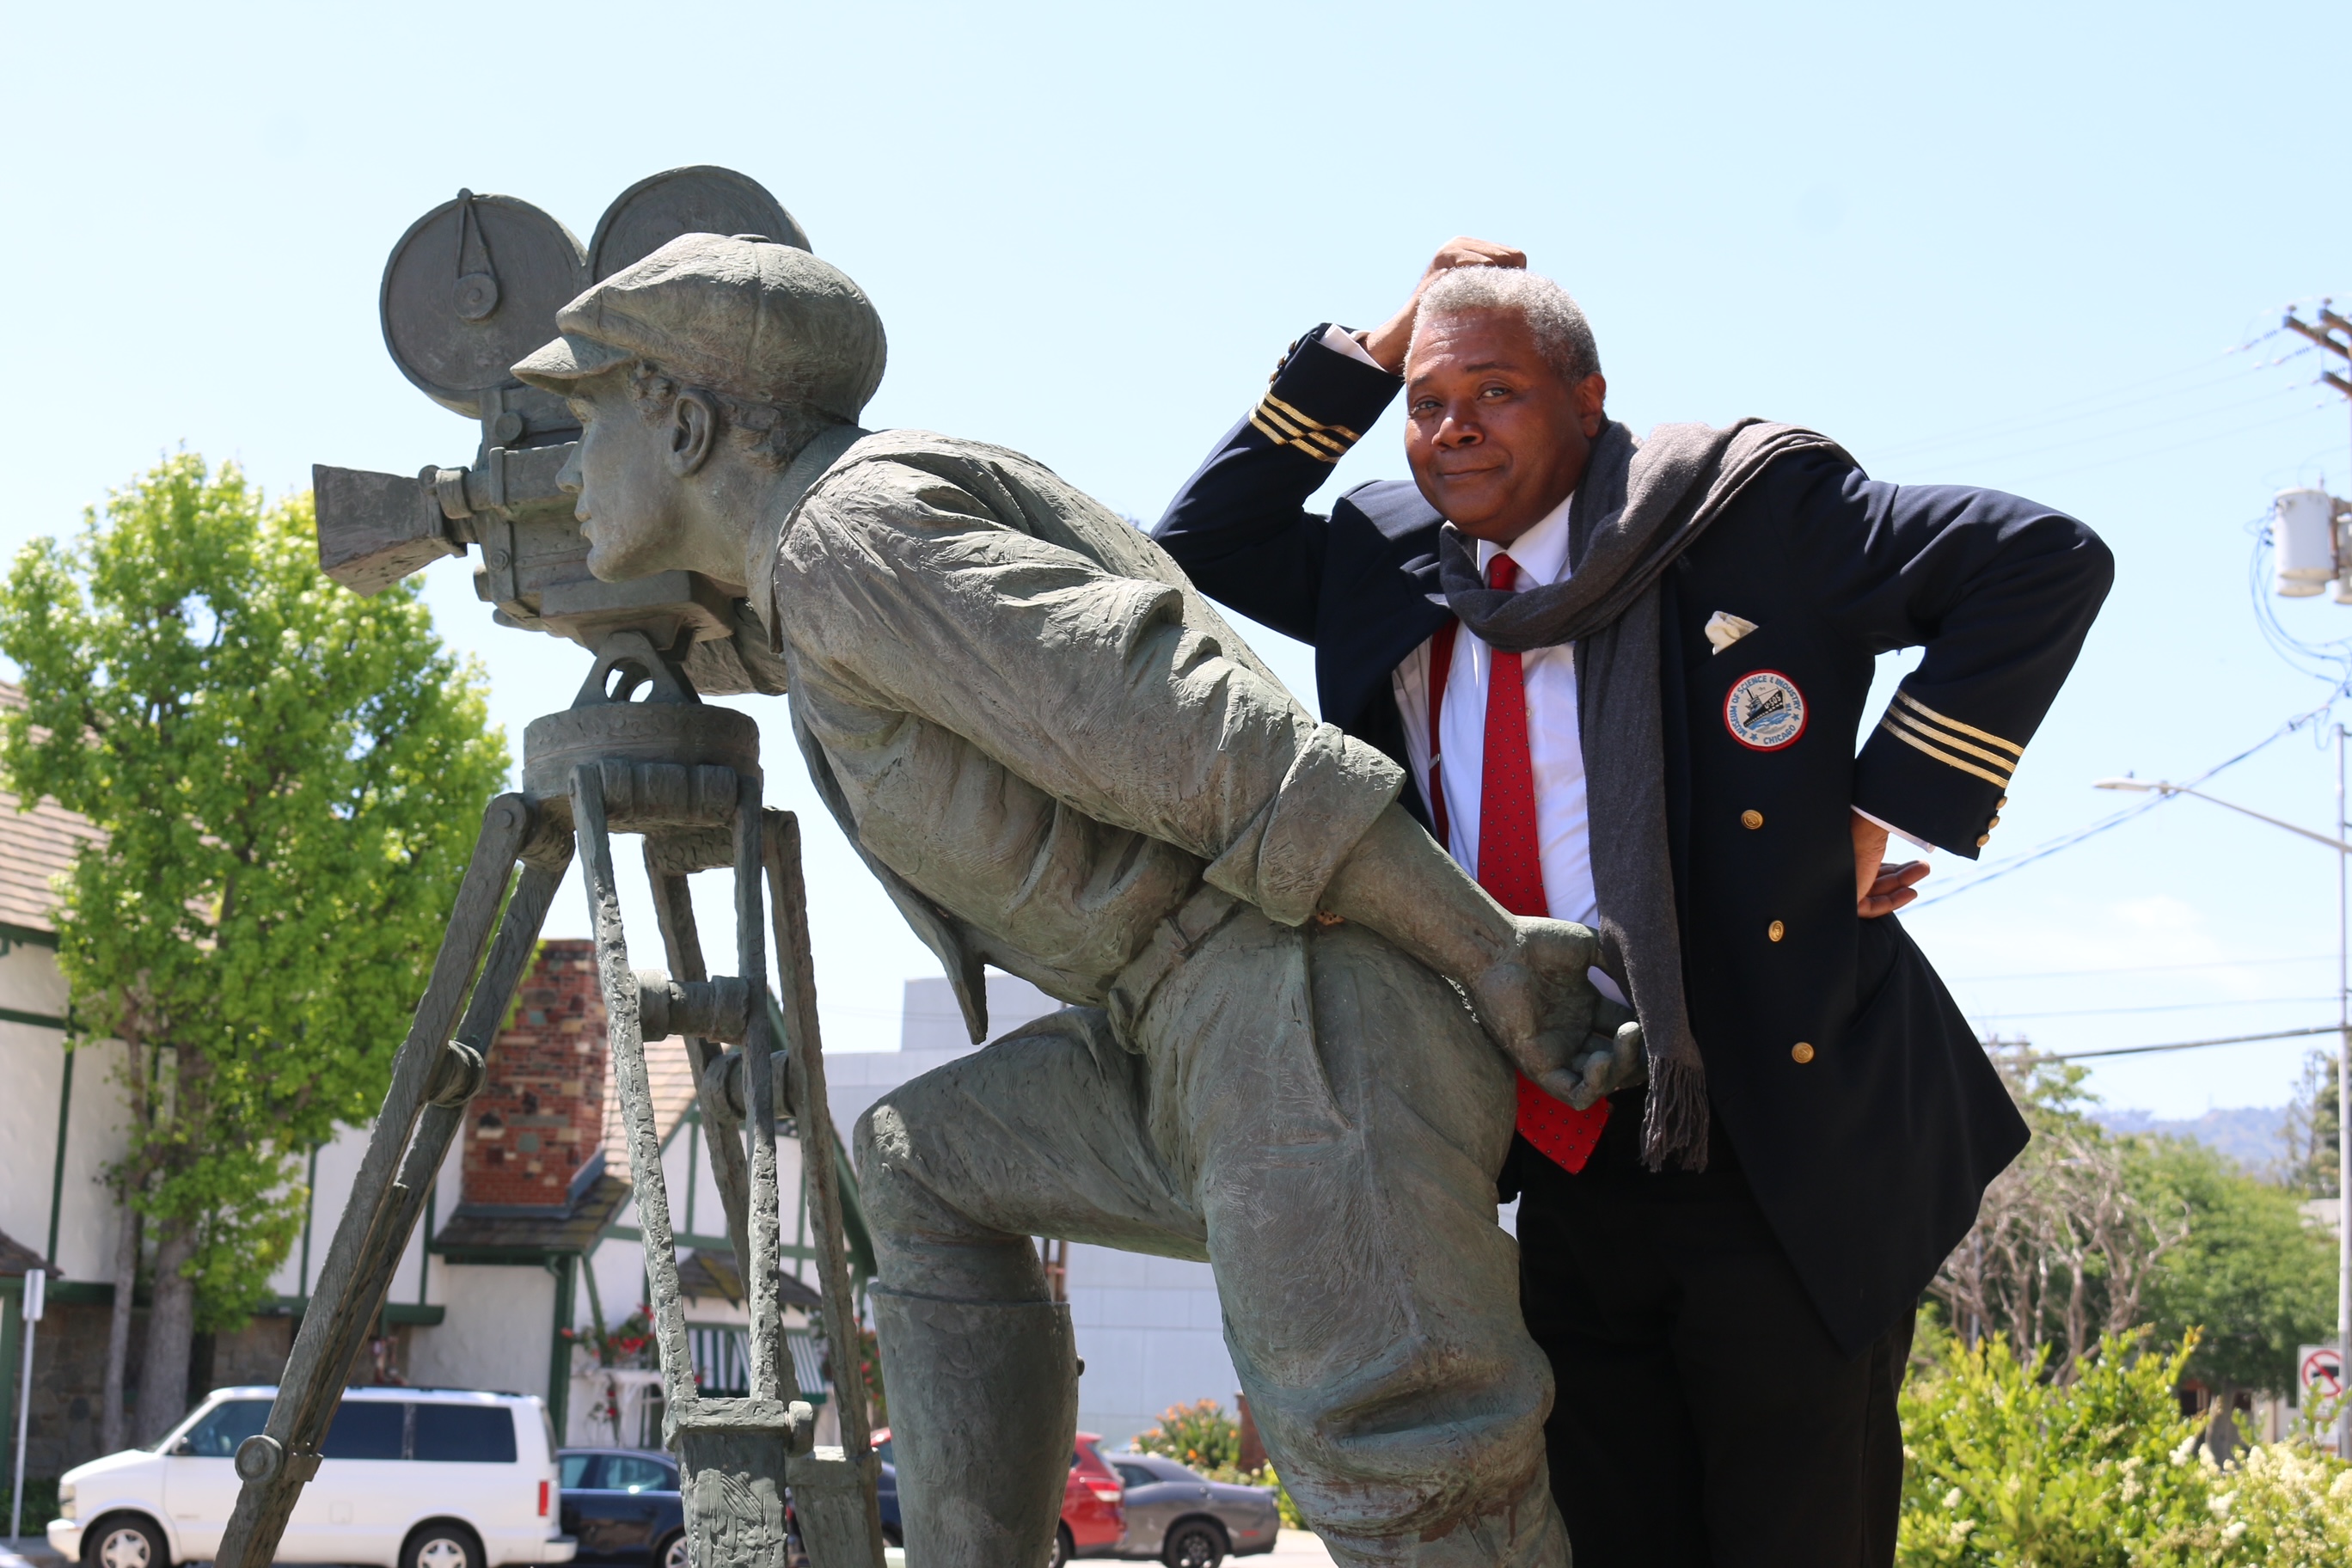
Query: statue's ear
(693, 432)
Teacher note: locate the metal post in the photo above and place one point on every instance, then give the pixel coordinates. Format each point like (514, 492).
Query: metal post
(28, 1312)
(2343, 1105)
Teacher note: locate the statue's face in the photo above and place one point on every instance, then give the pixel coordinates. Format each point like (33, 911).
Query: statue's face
(631, 495)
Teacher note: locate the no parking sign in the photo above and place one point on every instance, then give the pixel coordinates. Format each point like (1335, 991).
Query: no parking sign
(2318, 1374)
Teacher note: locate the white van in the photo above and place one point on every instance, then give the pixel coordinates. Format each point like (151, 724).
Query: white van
(411, 1477)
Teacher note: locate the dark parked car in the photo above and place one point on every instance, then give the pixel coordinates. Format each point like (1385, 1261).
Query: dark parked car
(622, 1505)
(1188, 1521)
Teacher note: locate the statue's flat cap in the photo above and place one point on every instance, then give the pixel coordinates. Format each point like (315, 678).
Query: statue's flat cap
(767, 322)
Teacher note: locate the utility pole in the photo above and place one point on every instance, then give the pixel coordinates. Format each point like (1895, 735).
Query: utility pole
(2343, 1108)
(2301, 512)
(2311, 545)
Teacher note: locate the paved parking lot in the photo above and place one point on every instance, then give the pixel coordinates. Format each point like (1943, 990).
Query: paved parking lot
(1293, 1548)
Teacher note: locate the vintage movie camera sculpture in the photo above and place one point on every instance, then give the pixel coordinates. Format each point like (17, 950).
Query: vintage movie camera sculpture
(471, 288)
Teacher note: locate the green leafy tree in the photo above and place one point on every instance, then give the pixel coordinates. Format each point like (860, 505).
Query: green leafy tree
(2312, 1129)
(2251, 1277)
(289, 779)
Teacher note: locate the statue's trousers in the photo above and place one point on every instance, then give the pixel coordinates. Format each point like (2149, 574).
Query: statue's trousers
(1321, 1119)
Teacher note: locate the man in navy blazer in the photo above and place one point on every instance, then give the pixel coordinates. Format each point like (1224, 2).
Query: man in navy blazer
(1726, 1341)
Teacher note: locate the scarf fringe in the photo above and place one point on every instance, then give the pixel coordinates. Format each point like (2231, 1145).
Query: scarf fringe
(1674, 1127)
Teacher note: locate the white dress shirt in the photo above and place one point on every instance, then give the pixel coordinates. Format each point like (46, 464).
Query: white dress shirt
(1563, 833)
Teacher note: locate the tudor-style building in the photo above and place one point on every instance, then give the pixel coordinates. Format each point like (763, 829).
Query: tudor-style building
(533, 1244)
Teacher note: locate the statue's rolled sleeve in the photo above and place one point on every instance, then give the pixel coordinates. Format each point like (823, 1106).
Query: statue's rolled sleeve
(1112, 693)
(1288, 854)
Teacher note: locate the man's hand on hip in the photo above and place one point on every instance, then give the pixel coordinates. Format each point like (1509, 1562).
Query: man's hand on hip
(1879, 888)
(1388, 342)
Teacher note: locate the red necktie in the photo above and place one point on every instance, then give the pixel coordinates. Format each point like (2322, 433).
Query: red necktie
(1511, 867)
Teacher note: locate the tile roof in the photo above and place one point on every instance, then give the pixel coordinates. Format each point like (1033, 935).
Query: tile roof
(35, 846)
(15, 1258)
(672, 1080)
(704, 1272)
(474, 1227)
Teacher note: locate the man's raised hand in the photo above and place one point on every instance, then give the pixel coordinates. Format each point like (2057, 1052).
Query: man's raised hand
(1388, 342)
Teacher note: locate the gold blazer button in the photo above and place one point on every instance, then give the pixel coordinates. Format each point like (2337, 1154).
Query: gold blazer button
(1801, 1053)
(1775, 931)
(1752, 819)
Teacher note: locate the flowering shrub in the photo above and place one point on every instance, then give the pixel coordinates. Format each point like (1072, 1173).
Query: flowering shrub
(625, 1343)
(2004, 1468)
(1202, 1437)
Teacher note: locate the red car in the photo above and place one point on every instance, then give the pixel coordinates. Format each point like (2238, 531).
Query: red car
(1093, 1515)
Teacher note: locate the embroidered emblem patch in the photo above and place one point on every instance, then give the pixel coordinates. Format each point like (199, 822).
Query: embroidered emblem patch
(1765, 711)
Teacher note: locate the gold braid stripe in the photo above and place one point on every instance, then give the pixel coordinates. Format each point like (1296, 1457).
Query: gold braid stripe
(1273, 426)
(1887, 724)
(1995, 758)
(1285, 426)
(1341, 431)
(1924, 711)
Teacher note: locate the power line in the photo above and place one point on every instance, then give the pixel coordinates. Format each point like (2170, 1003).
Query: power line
(2134, 427)
(2134, 968)
(2168, 447)
(2152, 1007)
(2187, 1045)
(2117, 818)
(2103, 400)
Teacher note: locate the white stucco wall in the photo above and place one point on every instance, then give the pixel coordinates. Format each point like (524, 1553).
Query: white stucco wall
(337, 1169)
(497, 1334)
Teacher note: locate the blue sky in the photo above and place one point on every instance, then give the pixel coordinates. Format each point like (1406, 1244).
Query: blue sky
(2000, 245)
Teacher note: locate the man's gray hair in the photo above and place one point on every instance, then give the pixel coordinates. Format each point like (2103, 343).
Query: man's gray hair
(1562, 335)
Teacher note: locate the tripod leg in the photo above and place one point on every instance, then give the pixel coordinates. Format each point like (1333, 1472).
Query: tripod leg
(675, 911)
(769, 1372)
(376, 1222)
(840, 1516)
(626, 1033)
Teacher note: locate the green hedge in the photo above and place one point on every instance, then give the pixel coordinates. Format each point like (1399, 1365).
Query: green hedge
(2005, 1469)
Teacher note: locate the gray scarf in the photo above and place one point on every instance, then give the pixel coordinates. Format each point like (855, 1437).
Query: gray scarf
(1639, 506)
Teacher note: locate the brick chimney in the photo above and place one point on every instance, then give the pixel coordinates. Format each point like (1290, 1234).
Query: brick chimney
(541, 1117)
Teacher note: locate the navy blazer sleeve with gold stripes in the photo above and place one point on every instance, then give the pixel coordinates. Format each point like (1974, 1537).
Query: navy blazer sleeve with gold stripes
(1859, 1102)
(2000, 591)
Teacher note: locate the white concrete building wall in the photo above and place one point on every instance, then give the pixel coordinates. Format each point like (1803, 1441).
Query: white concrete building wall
(337, 1171)
(34, 1056)
(498, 1332)
(1150, 1329)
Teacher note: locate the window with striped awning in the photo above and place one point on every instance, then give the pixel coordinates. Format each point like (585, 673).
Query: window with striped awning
(722, 1362)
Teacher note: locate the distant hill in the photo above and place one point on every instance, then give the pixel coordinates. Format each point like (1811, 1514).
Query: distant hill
(2250, 1134)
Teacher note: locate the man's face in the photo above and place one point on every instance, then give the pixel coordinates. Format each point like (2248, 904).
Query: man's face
(1497, 439)
(629, 505)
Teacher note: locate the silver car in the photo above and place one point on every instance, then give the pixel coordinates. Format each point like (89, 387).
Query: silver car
(1188, 1521)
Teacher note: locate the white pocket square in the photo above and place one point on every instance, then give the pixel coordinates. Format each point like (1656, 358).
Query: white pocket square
(1723, 629)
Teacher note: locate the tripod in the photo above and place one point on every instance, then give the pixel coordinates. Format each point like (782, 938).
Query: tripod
(637, 752)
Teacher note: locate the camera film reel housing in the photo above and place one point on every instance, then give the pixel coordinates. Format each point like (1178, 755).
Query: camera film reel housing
(473, 287)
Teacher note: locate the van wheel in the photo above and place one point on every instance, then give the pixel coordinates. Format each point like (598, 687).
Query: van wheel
(1064, 1548)
(125, 1541)
(442, 1543)
(671, 1553)
(1195, 1543)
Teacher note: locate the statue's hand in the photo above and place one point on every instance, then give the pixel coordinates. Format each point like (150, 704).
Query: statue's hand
(1613, 1056)
(1538, 1002)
